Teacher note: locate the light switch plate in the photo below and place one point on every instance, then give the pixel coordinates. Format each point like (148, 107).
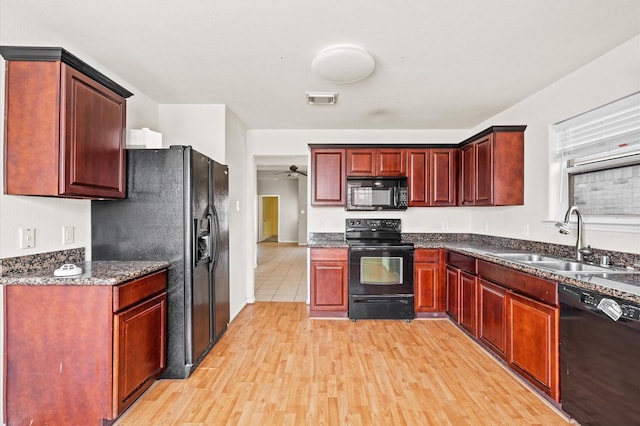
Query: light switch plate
(27, 237)
(67, 234)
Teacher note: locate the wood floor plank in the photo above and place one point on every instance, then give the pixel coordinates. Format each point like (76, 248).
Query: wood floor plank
(275, 366)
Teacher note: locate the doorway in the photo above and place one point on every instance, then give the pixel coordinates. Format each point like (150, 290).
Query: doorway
(269, 218)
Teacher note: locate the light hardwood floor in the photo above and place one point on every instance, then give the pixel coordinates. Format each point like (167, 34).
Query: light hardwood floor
(275, 366)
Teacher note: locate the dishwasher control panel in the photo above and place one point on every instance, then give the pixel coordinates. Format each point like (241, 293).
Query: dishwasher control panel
(628, 310)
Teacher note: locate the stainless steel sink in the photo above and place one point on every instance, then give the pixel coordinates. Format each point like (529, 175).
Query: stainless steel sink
(561, 266)
(570, 266)
(524, 257)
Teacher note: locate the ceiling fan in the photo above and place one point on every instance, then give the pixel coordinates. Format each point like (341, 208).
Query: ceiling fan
(293, 172)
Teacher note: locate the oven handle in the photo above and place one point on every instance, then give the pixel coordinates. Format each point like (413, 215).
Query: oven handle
(386, 300)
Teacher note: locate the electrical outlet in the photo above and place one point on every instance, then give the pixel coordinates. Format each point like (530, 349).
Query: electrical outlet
(445, 226)
(27, 237)
(67, 234)
(525, 230)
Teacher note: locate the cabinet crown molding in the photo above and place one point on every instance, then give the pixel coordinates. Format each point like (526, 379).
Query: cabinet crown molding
(52, 54)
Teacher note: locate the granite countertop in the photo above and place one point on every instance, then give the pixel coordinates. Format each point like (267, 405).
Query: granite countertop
(327, 244)
(623, 286)
(93, 273)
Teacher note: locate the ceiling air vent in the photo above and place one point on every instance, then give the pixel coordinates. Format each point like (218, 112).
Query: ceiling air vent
(322, 98)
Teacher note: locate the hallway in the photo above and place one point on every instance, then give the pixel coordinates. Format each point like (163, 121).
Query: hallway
(281, 275)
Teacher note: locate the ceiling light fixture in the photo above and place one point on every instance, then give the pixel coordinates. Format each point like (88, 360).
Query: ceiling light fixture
(322, 98)
(343, 64)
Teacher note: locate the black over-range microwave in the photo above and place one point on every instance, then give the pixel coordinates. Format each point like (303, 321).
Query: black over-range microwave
(377, 193)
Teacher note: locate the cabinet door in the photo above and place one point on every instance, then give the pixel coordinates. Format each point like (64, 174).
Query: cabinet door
(533, 342)
(468, 175)
(467, 313)
(492, 311)
(329, 275)
(442, 177)
(418, 177)
(329, 289)
(391, 162)
(361, 162)
(93, 158)
(139, 348)
(327, 177)
(426, 287)
(453, 279)
(484, 171)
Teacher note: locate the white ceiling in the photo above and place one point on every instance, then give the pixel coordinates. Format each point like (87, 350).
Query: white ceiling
(439, 64)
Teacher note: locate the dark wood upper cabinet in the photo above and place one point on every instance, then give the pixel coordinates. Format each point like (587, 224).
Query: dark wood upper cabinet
(64, 126)
(328, 182)
(392, 162)
(432, 176)
(376, 162)
(361, 162)
(492, 168)
(442, 182)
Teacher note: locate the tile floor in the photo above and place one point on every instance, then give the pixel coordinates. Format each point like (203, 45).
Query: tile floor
(281, 275)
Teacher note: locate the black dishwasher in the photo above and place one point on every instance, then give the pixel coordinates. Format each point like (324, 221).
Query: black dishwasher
(599, 357)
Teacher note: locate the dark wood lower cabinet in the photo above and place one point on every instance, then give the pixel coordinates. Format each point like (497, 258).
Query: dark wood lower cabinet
(429, 287)
(468, 310)
(492, 311)
(81, 354)
(453, 282)
(137, 363)
(533, 342)
(329, 282)
(513, 314)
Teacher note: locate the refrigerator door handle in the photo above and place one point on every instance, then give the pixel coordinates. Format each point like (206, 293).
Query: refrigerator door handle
(216, 235)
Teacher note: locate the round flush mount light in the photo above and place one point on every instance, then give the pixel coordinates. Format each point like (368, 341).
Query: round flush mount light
(343, 64)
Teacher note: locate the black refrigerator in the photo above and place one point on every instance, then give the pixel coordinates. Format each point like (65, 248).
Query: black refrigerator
(176, 210)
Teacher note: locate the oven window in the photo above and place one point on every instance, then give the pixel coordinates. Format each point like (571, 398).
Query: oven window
(381, 270)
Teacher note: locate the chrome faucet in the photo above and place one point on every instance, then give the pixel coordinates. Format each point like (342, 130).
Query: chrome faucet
(565, 227)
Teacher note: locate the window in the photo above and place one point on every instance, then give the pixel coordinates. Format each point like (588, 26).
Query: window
(600, 156)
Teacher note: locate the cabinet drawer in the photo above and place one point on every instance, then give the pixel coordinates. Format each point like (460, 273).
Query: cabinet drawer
(132, 292)
(427, 255)
(329, 254)
(460, 261)
(523, 283)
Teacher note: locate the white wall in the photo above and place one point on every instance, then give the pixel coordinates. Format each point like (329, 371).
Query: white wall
(610, 77)
(239, 219)
(200, 126)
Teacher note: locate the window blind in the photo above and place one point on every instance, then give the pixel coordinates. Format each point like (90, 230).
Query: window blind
(614, 127)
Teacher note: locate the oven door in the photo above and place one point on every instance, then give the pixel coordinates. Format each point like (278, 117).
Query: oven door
(384, 270)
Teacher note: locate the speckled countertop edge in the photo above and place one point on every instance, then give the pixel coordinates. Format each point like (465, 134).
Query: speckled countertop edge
(94, 273)
(610, 286)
